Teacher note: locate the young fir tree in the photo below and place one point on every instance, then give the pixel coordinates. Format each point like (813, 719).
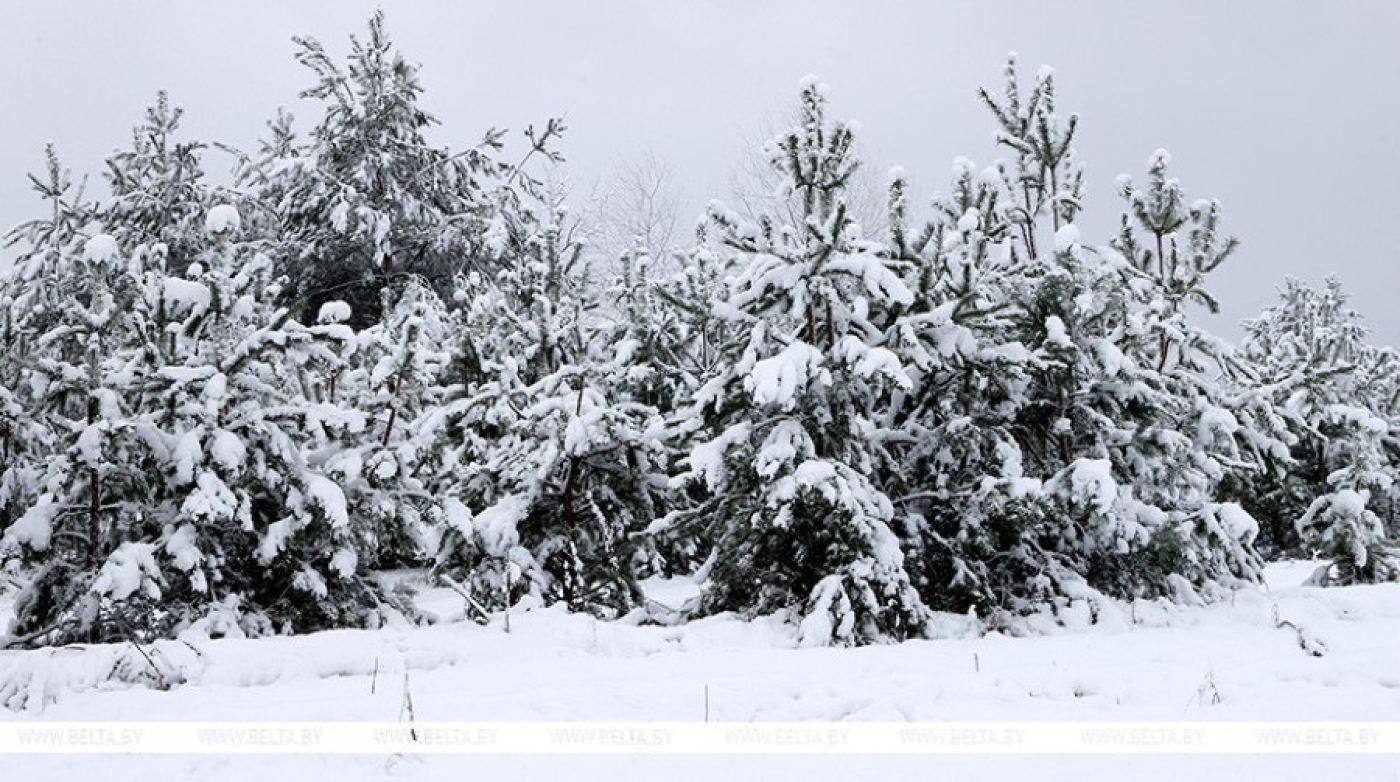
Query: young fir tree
(789, 434)
(1046, 450)
(395, 375)
(158, 193)
(968, 508)
(366, 200)
(557, 466)
(1336, 393)
(92, 490)
(31, 301)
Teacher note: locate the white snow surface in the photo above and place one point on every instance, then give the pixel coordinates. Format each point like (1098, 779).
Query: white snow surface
(1227, 661)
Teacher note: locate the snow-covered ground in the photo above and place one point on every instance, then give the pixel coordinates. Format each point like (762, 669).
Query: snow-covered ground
(1282, 654)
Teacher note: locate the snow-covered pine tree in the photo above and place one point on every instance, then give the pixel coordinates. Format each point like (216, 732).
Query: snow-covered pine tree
(1344, 524)
(643, 318)
(1172, 247)
(1160, 434)
(556, 466)
(260, 527)
(480, 543)
(146, 389)
(178, 484)
(1336, 394)
(667, 339)
(78, 326)
(75, 327)
(366, 198)
(31, 301)
(967, 507)
(1232, 432)
(1045, 176)
(789, 434)
(1001, 419)
(1048, 448)
(685, 301)
(158, 192)
(396, 374)
(87, 504)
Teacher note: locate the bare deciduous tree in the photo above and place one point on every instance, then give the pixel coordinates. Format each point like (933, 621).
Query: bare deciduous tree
(638, 206)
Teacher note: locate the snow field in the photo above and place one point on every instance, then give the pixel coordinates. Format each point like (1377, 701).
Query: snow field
(1230, 661)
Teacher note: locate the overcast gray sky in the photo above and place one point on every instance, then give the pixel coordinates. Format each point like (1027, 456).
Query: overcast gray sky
(1288, 112)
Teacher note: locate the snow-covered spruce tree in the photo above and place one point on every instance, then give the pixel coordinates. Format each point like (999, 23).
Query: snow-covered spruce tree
(968, 510)
(365, 198)
(396, 374)
(556, 465)
(1233, 432)
(1336, 394)
(88, 500)
(178, 483)
(32, 294)
(789, 434)
(158, 192)
(1048, 448)
(667, 337)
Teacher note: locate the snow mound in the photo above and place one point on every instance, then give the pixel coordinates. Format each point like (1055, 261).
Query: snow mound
(100, 248)
(333, 312)
(32, 681)
(1066, 238)
(131, 568)
(186, 296)
(778, 379)
(222, 219)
